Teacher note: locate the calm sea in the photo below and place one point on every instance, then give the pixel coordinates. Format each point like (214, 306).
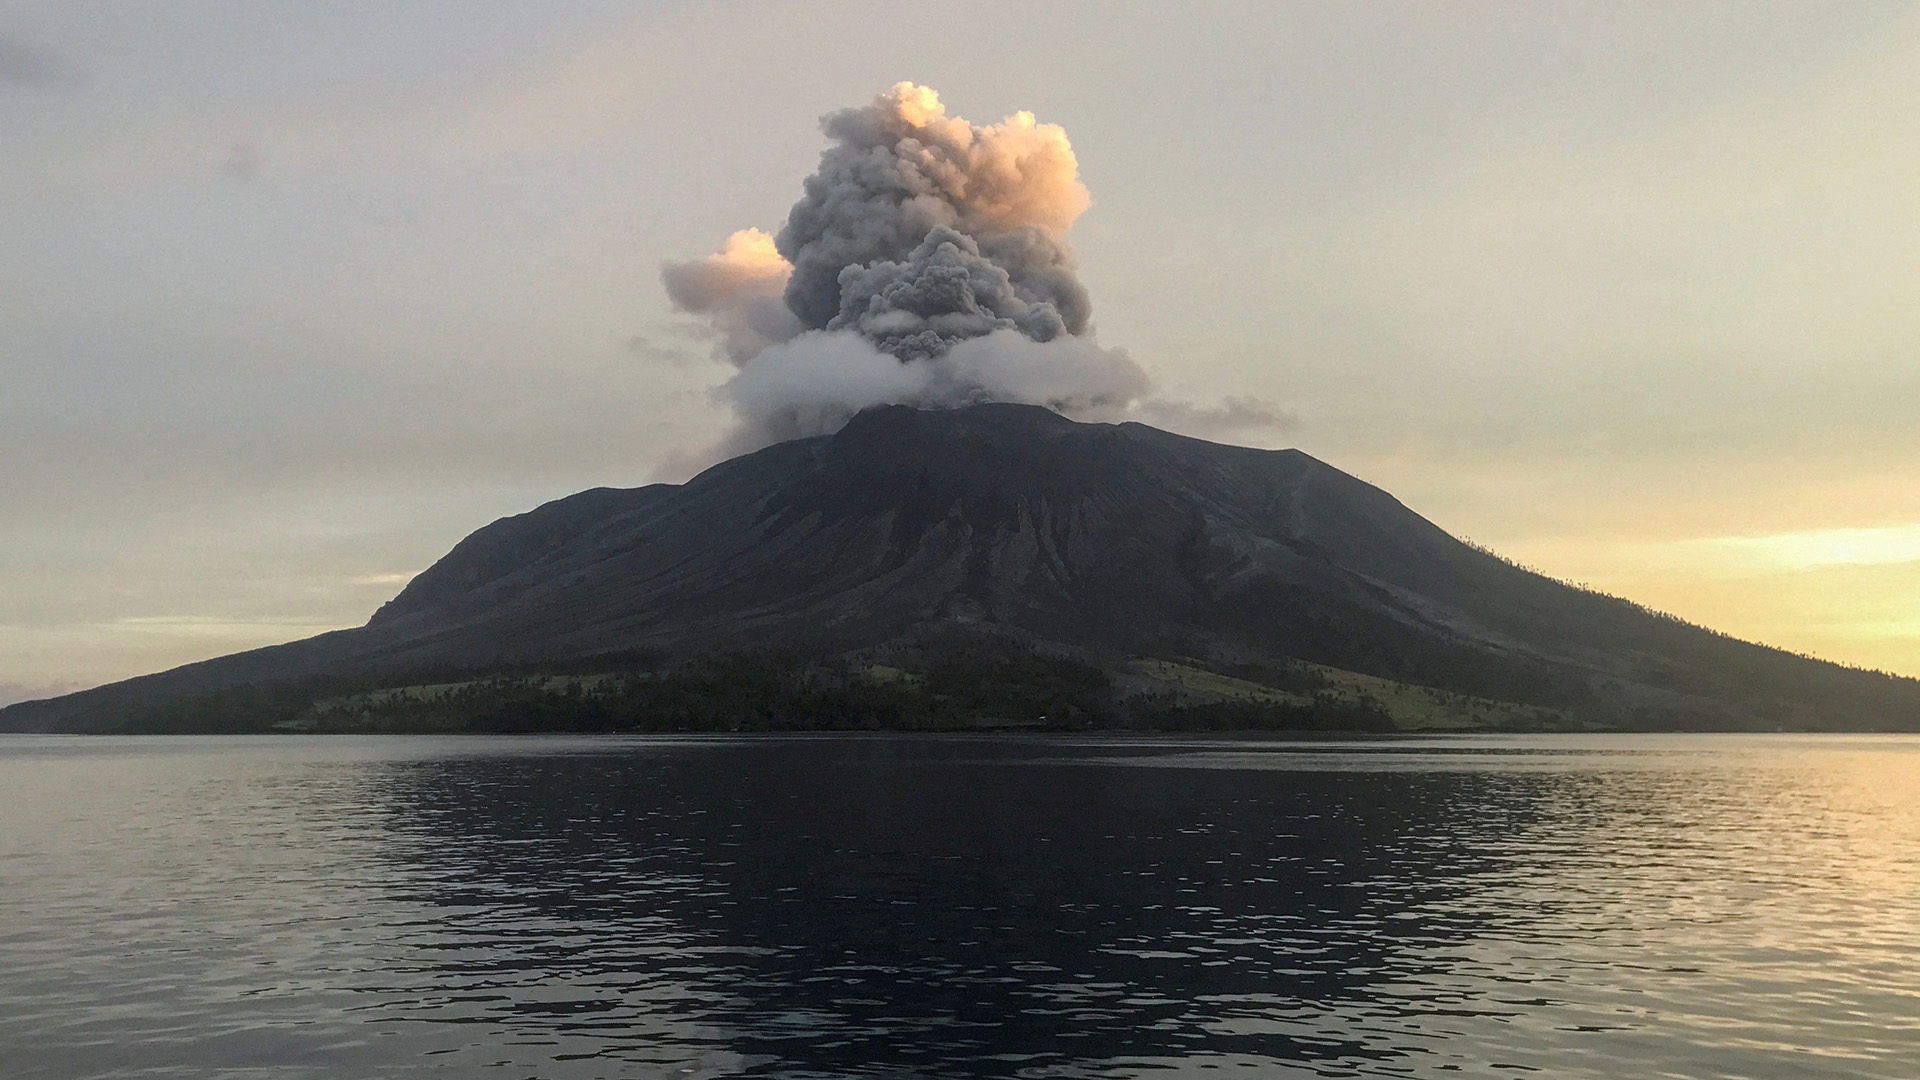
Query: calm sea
(1685, 906)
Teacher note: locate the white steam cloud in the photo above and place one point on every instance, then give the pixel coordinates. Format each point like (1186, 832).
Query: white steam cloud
(925, 264)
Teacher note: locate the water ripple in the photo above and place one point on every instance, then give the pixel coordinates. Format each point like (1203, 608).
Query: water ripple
(969, 907)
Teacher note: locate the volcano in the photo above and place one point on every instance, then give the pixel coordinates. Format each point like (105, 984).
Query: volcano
(1168, 562)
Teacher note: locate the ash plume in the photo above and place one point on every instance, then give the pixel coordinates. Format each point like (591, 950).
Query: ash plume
(942, 293)
(926, 263)
(900, 168)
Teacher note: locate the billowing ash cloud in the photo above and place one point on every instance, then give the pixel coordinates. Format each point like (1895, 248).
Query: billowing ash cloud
(926, 263)
(942, 293)
(901, 168)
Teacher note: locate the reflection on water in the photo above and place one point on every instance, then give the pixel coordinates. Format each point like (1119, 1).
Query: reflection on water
(929, 907)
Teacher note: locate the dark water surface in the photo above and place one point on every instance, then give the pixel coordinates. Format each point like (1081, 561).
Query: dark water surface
(1689, 906)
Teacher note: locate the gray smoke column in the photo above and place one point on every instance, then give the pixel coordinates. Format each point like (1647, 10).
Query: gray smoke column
(926, 263)
(942, 293)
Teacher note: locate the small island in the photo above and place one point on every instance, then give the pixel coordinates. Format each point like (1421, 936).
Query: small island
(991, 568)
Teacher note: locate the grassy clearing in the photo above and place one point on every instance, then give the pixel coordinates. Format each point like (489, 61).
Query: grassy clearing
(1423, 708)
(1188, 677)
(1413, 708)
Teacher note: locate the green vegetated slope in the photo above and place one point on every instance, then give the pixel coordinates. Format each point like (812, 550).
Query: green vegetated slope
(948, 682)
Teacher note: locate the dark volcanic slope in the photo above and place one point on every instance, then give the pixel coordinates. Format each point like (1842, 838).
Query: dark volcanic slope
(1114, 538)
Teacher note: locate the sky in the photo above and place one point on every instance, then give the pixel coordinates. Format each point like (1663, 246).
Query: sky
(294, 296)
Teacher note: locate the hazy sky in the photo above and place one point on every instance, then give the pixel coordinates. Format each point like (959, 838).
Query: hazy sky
(293, 296)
